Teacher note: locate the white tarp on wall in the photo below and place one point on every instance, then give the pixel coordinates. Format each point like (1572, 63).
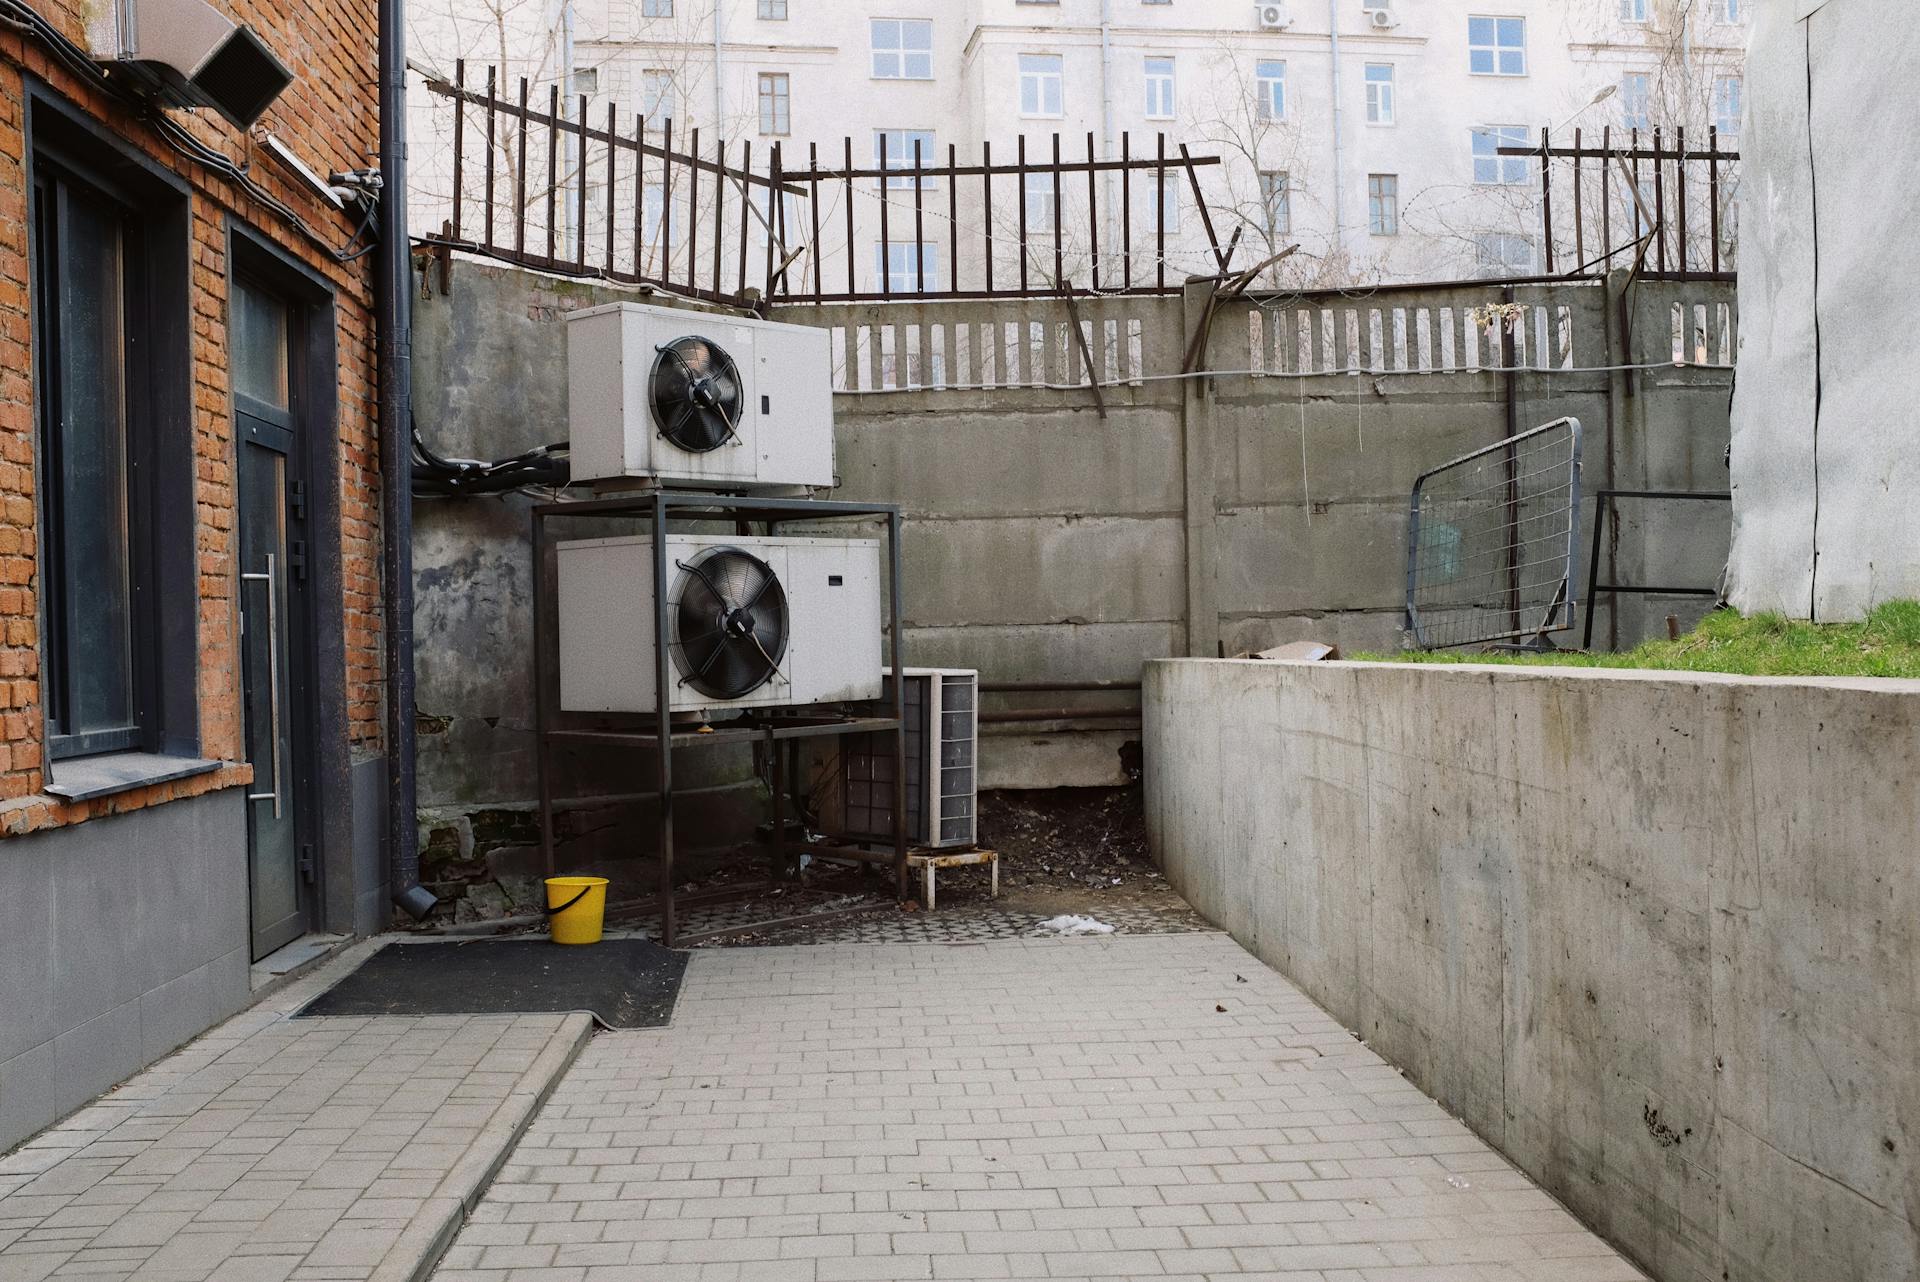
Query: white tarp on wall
(1826, 414)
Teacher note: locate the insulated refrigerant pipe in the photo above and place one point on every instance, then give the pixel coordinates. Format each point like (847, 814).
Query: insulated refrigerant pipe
(392, 287)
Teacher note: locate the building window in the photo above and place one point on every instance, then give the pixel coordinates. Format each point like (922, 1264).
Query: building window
(908, 268)
(1734, 10)
(1497, 46)
(1501, 254)
(656, 8)
(774, 10)
(894, 149)
(775, 117)
(1636, 100)
(763, 214)
(86, 333)
(1633, 10)
(1489, 166)
(1160, 199)
(1159, 88)
(656, 93)
(1379, 93)
(1383, 204)
(902, 48)
(1040, 78)
(1726, 105)
(656, 229)
(1041, 201)
(1270, 90)
(1276, 202)
(586, 81)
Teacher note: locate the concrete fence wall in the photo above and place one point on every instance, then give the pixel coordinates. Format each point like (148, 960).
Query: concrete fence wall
(1047, 543)
(1824, 424)
(1652, 935)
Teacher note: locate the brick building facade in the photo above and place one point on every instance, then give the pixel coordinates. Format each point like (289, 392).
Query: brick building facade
(133, 694)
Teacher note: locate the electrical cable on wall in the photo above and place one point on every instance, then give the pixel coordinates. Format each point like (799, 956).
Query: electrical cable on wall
(27, 21)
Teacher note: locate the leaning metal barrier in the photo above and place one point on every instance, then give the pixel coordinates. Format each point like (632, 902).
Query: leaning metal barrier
(1492, 540)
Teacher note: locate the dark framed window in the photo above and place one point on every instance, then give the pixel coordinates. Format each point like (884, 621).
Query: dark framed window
(116, 574)
(88, 279)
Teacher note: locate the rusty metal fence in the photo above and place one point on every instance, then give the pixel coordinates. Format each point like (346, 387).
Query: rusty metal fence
(1492, 541)
(1642, 200)
(568, 186)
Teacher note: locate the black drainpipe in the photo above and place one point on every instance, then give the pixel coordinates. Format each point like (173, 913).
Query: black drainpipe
(393, 289)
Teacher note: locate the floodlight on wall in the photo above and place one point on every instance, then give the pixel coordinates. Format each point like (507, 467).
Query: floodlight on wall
(352, 186)
(189, 54)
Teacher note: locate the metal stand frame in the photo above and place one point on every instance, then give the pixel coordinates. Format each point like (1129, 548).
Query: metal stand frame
(772, 726)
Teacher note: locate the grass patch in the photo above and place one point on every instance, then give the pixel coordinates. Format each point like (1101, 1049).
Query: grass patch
(1885, 644)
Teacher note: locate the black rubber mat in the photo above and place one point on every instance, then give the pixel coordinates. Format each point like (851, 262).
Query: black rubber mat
(623, 983)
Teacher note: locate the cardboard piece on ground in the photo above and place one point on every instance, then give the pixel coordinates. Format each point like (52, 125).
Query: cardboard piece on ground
(1299, 650)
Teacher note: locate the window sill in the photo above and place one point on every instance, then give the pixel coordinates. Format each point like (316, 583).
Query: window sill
(84, 778)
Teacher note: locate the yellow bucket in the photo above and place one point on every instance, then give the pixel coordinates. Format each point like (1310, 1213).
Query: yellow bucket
(576, 906)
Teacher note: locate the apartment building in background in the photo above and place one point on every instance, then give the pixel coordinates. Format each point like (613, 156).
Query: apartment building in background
(1366, 131)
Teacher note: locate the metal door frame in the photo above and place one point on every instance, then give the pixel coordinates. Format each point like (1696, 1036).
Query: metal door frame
(266, 427)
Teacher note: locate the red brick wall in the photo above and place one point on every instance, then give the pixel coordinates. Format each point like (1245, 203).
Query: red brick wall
(329, 116)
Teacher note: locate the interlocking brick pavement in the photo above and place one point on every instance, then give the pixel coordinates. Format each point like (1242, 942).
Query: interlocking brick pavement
(1129, 1107)
(278, 1150)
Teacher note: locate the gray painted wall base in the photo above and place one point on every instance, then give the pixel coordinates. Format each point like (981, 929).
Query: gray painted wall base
(120, 939)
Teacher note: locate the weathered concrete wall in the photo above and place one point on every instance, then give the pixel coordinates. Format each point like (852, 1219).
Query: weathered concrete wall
(1824, 422)
(1653, 935)
(489, 382)
(120, 939)
(1049, 543)
(1046, 543)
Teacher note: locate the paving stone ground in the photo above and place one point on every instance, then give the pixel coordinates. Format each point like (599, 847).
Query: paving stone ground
(274, 1149)
(1146, 1106)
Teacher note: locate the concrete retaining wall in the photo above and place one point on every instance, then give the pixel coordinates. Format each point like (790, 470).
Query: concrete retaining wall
(1652, 935)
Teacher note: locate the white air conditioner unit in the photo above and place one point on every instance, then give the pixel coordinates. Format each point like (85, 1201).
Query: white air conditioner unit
(1273, 17)
(943, 735)
(189, 54)
(697, 397)
(1383, 19)
(752, 622)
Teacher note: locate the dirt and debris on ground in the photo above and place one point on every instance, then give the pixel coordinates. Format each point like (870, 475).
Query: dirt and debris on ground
(1066, 851)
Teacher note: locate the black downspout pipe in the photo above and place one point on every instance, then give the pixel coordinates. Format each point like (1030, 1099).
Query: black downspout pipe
(393, 289)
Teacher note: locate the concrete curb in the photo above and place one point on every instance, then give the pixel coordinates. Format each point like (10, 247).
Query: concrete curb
(433, 1228)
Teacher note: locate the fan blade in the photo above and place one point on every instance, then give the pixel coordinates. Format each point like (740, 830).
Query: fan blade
(696, 354)
(739, 672)
(698, 570)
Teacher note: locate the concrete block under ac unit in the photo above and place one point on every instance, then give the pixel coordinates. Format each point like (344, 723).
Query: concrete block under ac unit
(752, 622)
(698, 398)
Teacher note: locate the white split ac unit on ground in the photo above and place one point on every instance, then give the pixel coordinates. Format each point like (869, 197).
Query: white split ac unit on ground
(1273, 17)
(752, 622)
(698, 398)
(943, 735)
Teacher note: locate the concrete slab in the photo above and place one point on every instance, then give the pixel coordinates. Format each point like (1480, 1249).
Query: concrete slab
(338, 1148)
(1138, 1107)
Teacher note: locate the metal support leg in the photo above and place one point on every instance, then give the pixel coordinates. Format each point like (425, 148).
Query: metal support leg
(777, 844)
(926, 886)
(542, 769)
(894, 627)
(995, 865)
(663, 722)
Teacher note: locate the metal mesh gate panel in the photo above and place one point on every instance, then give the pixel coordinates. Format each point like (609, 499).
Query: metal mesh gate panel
(1492, 539)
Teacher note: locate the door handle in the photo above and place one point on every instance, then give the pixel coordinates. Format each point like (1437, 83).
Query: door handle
(273, 676)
